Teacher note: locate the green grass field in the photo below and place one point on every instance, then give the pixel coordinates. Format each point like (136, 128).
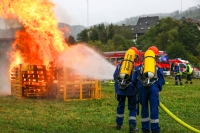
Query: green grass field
(96, 116)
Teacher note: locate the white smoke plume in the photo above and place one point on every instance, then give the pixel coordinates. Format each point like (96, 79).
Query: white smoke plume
(5, 88)
(9, 23)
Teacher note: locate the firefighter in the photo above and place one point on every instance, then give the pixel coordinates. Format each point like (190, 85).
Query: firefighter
(150, 81)
(125, 89)
(188, 71)
(177, 73)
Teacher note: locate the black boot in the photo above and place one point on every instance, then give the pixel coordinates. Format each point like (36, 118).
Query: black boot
(181, 83)
(118, 127)
(155, 131)
(191, 82)
(186, 82)
(145, 131)
(176, 83)
(132, 129)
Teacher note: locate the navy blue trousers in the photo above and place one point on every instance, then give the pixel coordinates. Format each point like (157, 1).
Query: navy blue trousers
(121, 109)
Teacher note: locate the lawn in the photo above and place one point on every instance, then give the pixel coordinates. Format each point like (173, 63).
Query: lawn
(96, 116)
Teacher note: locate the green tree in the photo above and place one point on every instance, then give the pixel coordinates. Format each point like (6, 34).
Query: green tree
(110, 46)
(102, 33)
(177, 50)
(189, 36)
(147, 39)
(120, 42)
(161, 35)
(111, 31)
(71, 40)
(93, 34)
(166, 32)
(97, 45)
(83, 36)
(111, 37)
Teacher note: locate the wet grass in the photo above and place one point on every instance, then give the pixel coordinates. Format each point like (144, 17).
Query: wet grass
(96, 116)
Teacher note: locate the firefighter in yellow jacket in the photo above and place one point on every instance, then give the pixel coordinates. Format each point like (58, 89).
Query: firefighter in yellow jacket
(189, 71)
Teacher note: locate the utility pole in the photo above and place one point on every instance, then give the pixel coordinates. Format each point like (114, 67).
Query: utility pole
(87, 13)
(181, 6)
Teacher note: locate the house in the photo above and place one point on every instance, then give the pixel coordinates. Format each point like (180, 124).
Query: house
(191, 20)
(143, 25)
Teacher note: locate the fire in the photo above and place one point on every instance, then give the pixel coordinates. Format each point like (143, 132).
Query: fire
(65, 29)
(40, 41)
(16, 59)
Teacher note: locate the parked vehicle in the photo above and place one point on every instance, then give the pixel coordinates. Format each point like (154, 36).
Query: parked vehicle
(182, 64)
(115, 57)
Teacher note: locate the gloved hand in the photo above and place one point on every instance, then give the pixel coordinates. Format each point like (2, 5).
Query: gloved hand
(175, 72)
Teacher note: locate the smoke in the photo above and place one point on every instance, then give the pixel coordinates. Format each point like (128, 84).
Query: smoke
(61, 14)
(86, 62)
(5, 86)
(9, 23)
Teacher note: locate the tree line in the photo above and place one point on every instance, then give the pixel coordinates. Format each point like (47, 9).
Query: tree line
(180, 39)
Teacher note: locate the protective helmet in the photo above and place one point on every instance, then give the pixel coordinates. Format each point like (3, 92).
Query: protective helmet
(135, 49)
(175, 63)
(187, 62)
(154, 49)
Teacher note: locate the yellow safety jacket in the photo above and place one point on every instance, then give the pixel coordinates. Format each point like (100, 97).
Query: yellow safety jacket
(189, 69)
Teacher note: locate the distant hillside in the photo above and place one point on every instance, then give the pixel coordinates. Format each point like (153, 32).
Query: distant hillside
(192, 12)
(74, 30)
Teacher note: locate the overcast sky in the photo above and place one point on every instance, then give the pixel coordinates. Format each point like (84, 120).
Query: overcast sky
(74, 12)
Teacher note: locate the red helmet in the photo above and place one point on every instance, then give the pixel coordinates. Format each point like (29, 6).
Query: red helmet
(154, 49)
(175, 63)
(135, 49)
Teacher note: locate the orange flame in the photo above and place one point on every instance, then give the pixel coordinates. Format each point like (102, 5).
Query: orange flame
(65, 29)
(40, 41)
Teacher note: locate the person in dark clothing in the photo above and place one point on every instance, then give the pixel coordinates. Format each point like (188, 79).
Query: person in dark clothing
(125, 89)
(149, 85)
(178, 73)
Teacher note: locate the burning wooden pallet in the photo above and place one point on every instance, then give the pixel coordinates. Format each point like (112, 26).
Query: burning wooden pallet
(29, 81)
(38, 81)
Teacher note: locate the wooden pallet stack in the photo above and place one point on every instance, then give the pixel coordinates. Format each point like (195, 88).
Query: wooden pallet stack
(72, 86)
(29, 81)
(34, 79)
(16, 82)
(39, 81)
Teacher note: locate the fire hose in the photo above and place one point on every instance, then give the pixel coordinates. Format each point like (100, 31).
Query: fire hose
(177, 119)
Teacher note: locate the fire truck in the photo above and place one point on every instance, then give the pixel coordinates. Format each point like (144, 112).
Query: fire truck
(182, 64)
(116, 57)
